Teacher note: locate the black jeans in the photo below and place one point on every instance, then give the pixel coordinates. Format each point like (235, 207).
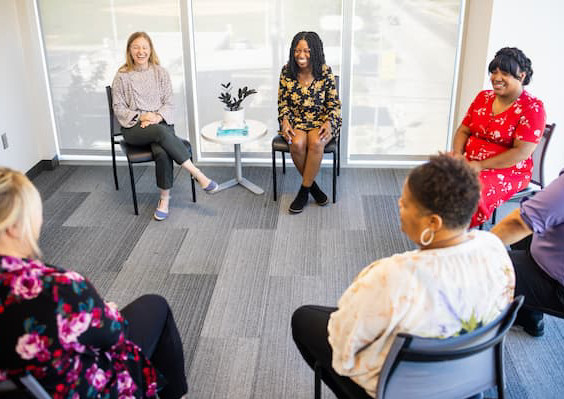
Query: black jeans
(309, 330)
(152, 328)
(542, 293)
(165, 145)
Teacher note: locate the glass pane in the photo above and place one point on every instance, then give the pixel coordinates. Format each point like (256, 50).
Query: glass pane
(247, 43)
(85, 45)
(403, 68)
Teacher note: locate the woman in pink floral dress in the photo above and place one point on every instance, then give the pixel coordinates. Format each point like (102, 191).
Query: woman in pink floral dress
(500, 132)
(55, 326)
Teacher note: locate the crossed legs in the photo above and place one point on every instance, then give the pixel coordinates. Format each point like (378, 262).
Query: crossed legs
(166, 148)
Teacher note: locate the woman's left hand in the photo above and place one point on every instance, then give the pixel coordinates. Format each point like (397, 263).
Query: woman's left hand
(325, 132)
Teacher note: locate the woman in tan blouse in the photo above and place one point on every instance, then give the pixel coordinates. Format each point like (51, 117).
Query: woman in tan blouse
(309, 112)
(454, 283)
(142, 102)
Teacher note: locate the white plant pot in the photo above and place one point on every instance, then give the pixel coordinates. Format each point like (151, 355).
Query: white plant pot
(233, 119)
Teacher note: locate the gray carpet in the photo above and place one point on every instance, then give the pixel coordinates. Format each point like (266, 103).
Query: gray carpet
(235, 265)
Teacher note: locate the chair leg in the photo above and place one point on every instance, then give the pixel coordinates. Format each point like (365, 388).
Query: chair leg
(133, 193)
(283, 162)
(493, 216)
(334, 177)
(500, 378)
(274, 174)
(114, 165)
(193, 187)
(317, 388)
(339, 156)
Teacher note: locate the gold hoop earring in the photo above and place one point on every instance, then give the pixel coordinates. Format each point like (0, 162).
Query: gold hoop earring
(429, 240)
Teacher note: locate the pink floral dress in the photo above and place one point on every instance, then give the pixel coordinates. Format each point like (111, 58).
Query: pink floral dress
(493, 134)
(56, 327)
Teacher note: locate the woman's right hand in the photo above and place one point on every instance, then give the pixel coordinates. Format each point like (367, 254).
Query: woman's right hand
(287, 131)
(150, 118)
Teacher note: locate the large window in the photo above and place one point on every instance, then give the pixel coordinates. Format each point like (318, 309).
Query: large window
(403, 66)
(85, 45)
(396, 59)
(247, 43)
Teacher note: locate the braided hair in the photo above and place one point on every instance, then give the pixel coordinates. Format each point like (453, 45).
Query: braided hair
(316, 55)
(513, 61)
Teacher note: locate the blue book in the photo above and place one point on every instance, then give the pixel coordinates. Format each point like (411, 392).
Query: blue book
(232, 132)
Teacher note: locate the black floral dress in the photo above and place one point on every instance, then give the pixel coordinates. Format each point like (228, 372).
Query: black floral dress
(55, 326)
(310, 107)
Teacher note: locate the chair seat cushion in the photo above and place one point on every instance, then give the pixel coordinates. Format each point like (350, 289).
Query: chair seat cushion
(138, 154)
(279, 144)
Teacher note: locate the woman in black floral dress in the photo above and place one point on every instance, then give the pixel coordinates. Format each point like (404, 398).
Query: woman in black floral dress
(55, 326)
(309, 112)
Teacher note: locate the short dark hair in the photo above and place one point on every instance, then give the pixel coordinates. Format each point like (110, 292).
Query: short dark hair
(448, 187)
(512, 60)
(316, 55)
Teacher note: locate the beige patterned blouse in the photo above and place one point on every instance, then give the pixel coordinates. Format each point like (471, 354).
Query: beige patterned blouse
(429, 293)
(135, 92)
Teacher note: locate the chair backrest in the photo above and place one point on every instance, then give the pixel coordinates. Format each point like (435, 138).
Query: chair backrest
(337, 81)
(337, 84)
(115, 128)
(15, 388)
(456, 367)
(539, 156)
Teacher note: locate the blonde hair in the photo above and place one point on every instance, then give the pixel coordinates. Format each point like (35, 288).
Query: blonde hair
(18, 197)
(129, 63)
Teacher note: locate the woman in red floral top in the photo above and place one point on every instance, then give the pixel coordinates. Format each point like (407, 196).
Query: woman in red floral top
(501, 130)
(56, 327)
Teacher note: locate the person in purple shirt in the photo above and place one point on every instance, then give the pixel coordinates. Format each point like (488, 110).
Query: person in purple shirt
(539, 267)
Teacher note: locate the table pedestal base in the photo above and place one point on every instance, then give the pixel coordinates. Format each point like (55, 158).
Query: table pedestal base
(239, 179)
(244, 182)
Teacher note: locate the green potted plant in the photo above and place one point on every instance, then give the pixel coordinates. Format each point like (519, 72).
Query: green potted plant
(234, 114)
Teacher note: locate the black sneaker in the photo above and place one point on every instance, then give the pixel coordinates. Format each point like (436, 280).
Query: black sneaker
(534, 328)
(318, 195)
(300, 201)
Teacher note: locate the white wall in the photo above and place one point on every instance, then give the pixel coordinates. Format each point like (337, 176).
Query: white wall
(537, 29)
(24, 97)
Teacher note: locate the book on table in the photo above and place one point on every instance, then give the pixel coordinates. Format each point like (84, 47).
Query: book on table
(222, 132)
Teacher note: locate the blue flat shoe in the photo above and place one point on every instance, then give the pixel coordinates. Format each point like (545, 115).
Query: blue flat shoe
(211, 188)
(160, 215)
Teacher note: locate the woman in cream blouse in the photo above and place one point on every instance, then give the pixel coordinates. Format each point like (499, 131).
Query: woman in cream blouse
(458, 280)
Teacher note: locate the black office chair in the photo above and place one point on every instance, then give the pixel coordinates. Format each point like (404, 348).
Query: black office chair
(538, 169)
(333, 146)
(457, 367)
(134, 154)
